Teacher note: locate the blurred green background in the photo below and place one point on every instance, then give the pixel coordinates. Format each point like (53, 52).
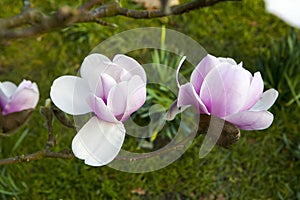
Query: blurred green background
(261, 165)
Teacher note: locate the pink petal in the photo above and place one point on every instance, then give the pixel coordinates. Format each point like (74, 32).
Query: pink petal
(27, 84)
(206, 64)
(91, 69)
(24, 99)
(225, 89)
(100, 109)
(266, 101)
(136, 96)
(248, 120)
(117, 99)
(173, 111)
(130, 65)
(255, 92)
(188, 96)
(107, 83)
(69, 93)
(98, 142)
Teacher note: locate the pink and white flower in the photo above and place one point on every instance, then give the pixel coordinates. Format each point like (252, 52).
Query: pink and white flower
(112, 91)
(223, 88)
(18, 98)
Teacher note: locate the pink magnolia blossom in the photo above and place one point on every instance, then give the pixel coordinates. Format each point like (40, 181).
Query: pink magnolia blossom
(223, 88)
(112, 91)
(16, 99)
(287, 10)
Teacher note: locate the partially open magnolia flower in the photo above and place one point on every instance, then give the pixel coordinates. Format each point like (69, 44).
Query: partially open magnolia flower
(16, 104)
(112, 91)
(223, 88)
(15, 99)
(287, 10)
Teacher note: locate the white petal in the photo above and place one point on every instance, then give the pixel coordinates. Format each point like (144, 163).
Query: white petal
(8, 88)
(288, 10)
(249, 120)
(98, 142)
(178, 69)
(266, 101)
(69, 93)
(227, 60)
(131, 65)
(91, 69)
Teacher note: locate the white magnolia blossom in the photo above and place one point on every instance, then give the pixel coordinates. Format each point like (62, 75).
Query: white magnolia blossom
(112, 91)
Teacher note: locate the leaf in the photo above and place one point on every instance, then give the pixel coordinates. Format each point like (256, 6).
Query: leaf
(20, 139)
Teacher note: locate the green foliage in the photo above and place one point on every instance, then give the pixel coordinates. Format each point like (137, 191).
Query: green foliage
(160, 94)
(280, 67)
(262, 165)
(8, 186)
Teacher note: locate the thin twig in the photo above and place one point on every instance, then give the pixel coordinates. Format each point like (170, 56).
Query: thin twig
(48, 114)
(66, 154)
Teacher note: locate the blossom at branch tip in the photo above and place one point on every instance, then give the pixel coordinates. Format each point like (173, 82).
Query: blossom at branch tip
(18, 98)
(223, 88)
(287, 10)
(112, 91)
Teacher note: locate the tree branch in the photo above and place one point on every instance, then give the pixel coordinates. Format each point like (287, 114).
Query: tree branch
(33, 22)
(65, 154)
(148, 14)
(230, 135)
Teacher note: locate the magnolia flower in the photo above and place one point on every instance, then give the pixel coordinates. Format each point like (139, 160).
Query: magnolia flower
(112, 91)
(223, 88)
(287, 10)
(15, 99)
